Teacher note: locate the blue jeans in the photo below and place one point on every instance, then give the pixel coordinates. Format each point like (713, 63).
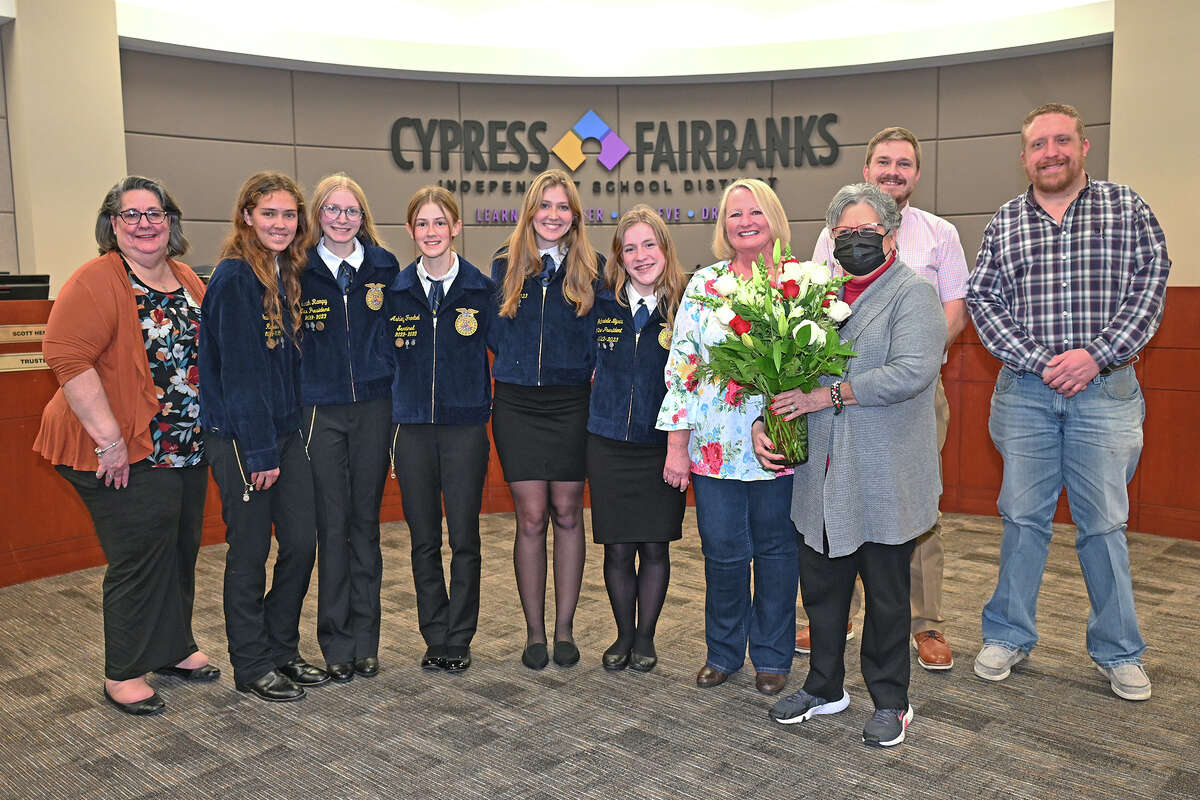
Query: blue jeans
(740, 522)
(1090, 443)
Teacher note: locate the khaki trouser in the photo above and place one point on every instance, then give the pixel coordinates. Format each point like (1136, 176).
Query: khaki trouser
(929, 555)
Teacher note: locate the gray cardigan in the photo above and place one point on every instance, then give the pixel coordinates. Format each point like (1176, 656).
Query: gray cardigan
(884, 477)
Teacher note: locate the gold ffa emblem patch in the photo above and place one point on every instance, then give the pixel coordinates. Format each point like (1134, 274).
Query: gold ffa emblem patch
(664, 337)
(374, 296)
(466, 324)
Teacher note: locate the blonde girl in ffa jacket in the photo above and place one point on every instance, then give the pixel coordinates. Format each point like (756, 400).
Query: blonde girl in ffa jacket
(440, 310)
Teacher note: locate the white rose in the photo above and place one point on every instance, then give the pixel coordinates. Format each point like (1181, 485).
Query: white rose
(838, 311)
(814, 332)
(817, 273)
(792, 271)
(727, 284)
(725, 314)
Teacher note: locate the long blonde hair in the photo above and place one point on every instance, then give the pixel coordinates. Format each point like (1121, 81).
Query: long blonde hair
(329, 185)
(522, 250)
(668, 288)
(242, 242)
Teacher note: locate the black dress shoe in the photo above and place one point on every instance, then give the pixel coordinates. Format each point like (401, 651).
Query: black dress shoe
(535, 656)
(367, 667)
(139, 708)
(708, 677)
(616, 657)
(274, 687)
(643, 656)
(342, 672)
(303, 673)
(457, 659)
(432, 660)
(201, 674)
(566, 654)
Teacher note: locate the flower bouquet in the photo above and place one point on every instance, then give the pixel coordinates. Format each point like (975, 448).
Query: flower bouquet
(782, 325)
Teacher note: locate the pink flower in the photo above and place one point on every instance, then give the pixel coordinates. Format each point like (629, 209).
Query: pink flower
(733, 393)
(711, 453)
(710, 287)
(678, 415)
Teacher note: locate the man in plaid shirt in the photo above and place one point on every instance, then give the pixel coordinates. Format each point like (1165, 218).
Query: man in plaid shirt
(1067, 289)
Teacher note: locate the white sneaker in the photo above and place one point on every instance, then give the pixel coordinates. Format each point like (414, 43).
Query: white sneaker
(995, 661)
(1129, 681)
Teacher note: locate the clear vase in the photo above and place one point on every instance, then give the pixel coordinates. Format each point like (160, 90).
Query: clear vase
(790, 437)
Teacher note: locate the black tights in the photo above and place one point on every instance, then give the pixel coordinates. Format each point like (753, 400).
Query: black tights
(535, 502)
(637, 593)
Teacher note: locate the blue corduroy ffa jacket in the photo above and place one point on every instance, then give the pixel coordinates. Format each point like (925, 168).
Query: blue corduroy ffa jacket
(343, 355)
(440, 365)
(545, 344)
(249, 368)
(628, 387)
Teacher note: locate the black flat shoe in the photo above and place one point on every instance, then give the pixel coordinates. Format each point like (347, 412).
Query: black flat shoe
(432, 660)
(303, 673)
(456, 659)
(615, 657)
(341, 673)
(139, 708)
(566, 654)
(535, 656)
(274, 687)
(203, 674)
(367, 667)
(643, 656)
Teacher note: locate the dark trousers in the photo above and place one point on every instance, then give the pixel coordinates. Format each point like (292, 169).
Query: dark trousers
(347, 447)
(825, 587)
(264, 629)
(150, 534)
(432, 462)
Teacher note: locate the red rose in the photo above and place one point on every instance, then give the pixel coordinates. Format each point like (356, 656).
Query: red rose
(829, 298)
(733, 393)
(790, 290)
(711, 453)
(739, 325)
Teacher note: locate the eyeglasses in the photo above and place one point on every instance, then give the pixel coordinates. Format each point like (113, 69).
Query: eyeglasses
(868, 227)
(332, 212)
(131, 216)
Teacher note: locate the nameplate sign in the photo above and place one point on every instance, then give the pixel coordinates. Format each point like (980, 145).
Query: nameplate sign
(22, 333)
(21, 362)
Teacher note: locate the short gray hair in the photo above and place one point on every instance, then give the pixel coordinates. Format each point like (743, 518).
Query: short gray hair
(177, 243)
(854, 193)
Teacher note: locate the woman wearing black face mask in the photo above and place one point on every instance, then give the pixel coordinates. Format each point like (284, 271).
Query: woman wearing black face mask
(871, 483)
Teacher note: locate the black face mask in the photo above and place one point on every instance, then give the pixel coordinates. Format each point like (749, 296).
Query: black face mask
(860, 253)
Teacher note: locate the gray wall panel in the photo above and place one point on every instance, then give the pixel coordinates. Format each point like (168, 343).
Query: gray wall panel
(8, 242)
(865, 103)
(353, 111)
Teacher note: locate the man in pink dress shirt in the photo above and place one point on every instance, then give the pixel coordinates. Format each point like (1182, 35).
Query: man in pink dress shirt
(930, 246)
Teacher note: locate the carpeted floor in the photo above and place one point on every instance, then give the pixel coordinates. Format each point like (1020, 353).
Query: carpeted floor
(1053, 730)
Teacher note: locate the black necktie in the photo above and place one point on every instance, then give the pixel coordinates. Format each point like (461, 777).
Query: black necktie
(547, 269)
(435, 294)
(345, 276)
(641, 316)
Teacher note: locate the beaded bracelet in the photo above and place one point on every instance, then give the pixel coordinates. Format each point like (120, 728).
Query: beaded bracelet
(835, 394)
(99, 451)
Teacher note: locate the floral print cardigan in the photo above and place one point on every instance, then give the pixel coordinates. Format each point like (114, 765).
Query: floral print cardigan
(721, 445)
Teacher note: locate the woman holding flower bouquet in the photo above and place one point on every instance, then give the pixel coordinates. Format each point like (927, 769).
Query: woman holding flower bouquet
(872, 484)
(634, 514)
(741, 508)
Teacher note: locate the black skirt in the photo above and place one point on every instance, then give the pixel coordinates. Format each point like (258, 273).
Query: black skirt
(630, 500)
(541, 431)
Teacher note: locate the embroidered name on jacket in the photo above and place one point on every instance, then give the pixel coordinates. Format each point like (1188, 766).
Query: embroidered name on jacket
(314, 312)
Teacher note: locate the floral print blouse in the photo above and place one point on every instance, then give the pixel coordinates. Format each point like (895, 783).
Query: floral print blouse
(170, 321)
(721, 445)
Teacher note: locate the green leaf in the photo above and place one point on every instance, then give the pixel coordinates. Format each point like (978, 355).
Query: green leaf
(777, 350)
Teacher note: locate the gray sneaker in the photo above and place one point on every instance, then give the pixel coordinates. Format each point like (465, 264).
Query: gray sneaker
(800, 706)
(995, 661)
(886, 727)
(1129, 681)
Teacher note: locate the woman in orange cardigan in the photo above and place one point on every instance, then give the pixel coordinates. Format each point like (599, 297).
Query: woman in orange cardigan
(124, 431)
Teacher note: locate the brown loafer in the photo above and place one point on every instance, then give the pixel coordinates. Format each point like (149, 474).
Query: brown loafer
(933, 653)
(708, 677)
(770, 682)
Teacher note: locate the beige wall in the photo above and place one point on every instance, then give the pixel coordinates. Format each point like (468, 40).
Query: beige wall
(8, 223)
(65, 133)
(1155, 115)
(203, 127)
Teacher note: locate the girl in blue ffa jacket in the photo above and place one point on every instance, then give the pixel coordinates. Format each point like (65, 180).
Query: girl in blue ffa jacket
(345, 391)
(439, 311)
(249, 365)
(546, 274)
(635, 512)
